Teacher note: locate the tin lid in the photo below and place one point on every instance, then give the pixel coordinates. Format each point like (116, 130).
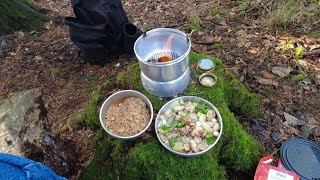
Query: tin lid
(302, 157)
(205, 64)
(207, 79)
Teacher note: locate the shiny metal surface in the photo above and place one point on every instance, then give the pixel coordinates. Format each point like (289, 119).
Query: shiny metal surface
(154, 42)
(118, 97)
(166, 89)
(193, 99)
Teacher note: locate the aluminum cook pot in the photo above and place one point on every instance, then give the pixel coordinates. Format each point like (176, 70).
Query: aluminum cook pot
(162, 42)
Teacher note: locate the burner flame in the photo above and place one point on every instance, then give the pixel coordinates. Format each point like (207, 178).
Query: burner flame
(167, 47)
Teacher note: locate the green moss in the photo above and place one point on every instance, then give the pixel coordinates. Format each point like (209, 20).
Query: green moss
(14, 17)
(236, 149)
(89, 116)
(151, 161)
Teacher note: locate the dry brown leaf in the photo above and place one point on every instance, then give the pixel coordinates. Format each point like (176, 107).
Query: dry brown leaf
(287, 88)
(267, 75)
(268, 82)
(267, 43)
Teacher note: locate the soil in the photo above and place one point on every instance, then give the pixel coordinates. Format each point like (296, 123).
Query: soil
(46, 58)
(127, 118)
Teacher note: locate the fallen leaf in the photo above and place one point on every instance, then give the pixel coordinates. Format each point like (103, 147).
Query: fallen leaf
(20, 34)
(305, 131)
(281, 71)
(257, 126)
(287, 88)
(317, 79)
(267, 75)
(267, 43)
(252, 51)
(276, 136)
(303, 63)
(308, 88)
(301, 122)
(306, 81)
(268, 82)
(290, 120)
(38, 58)
(241, 78)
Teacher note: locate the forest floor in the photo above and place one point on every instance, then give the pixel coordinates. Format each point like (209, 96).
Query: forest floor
(280, 62)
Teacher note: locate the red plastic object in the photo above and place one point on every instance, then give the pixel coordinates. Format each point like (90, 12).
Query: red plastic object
(265, 171)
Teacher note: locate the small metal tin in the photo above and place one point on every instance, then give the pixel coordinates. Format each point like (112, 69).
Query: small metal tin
(207, 79)
(206, 64)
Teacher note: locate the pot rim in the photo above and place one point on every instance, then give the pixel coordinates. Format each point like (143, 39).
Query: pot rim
(181, 58)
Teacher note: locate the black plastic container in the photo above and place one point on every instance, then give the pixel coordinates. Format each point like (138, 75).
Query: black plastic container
(302, 157)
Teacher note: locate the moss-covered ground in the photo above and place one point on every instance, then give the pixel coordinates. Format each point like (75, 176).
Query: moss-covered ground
(14, 16)
(236, 151)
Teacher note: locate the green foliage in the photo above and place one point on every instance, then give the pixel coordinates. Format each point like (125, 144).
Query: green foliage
(216, 46)
(286, 47)
(281, 13)
(298, 52)
(14, 17)
(89, 116)
(149, 160)
(314, 34)
(195, 22)
(298, 77)
(217, 11)
(190, 27)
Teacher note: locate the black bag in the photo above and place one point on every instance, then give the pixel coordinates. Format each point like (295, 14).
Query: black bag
(101, 30)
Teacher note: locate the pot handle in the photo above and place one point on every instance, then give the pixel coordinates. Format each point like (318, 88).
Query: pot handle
(188, 36)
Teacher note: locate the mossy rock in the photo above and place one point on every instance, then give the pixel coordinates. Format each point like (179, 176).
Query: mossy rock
(236, 150)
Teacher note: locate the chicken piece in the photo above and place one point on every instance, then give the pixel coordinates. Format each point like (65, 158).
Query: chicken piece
(216, 133)
(178, 108)
(174, 134)
(197, 139)
(164, 139)
(168, 113)
(210, 124)
(188, 107)
(216, 127)
(186, 147)
(214, 120)
(186, 139)
(194, 146)
(210, 115)
(203, 145)
(185, 130)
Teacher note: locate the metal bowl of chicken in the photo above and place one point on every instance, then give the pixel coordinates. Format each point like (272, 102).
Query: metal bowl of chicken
(188, 126)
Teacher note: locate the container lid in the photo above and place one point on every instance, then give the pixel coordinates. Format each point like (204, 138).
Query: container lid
(207, 79)
(205, 64)
(302, 157)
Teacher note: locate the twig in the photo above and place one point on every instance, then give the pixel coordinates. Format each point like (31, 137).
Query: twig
(18, 49)
(203, 43)
(4, 84)
(311, 53)
(65, 43)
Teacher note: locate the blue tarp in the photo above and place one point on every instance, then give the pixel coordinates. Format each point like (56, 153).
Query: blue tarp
(19, 168)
